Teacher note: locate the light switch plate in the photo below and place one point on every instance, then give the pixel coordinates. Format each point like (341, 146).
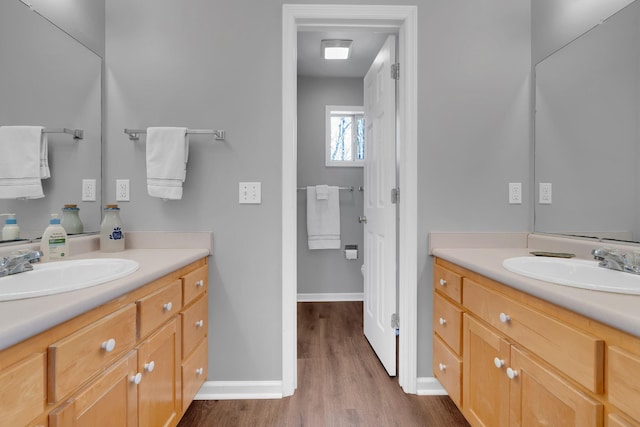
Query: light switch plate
(250, 193)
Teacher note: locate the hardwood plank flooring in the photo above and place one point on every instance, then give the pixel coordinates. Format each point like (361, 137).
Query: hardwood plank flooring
(340, 383)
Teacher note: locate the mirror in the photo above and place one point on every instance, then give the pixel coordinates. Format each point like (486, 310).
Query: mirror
(49, 79)
(587, 132)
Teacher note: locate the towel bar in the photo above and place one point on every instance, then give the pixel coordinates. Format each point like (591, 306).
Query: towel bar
(134, 134)
(77, 133)
(351, 188)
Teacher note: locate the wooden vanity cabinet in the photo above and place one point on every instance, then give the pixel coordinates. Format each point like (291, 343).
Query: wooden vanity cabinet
(120, 364)
(528, 362)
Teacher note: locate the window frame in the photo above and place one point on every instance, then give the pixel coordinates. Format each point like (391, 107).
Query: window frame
(331, 110)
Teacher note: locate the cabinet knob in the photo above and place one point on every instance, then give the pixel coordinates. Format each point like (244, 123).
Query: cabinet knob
(109, 345)
(168, 306)
(511, 373)
(498, 362)
(504, 318)
(199, 323)
(135, 379)
(200, 283)
(149, 367)
(443, 282)
(199, 371)
(442, 367)
(442, 321)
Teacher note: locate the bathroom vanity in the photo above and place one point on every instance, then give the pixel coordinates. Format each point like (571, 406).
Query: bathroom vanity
(514, 351)
(135, 359)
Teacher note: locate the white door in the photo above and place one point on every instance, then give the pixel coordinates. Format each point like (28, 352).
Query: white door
(379, 211)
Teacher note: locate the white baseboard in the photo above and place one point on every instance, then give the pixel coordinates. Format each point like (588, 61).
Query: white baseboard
(236, 390)
(429, 386)
(337, 297)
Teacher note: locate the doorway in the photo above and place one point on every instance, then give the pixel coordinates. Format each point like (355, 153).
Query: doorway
(404, 20)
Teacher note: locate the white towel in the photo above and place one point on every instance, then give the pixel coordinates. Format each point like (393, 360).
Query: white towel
(167, 155)
(323, 219)
(23, 162)
(322, 192)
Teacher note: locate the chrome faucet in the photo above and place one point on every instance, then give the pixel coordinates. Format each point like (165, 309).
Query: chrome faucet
(614, 259)
(19, 262)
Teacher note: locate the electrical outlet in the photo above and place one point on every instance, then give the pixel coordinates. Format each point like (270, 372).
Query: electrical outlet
(515, 193)
(545, 193)
(250, 193)
(122, 190)
(88, 190)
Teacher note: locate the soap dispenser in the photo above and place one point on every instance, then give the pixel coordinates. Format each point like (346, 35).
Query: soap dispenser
(10, 231)
(54, 243)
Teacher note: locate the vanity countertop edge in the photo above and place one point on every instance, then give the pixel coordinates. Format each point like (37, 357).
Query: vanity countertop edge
(620, 311)
(24, 318)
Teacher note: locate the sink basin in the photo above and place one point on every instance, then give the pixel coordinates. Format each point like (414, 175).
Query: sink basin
(64, 276)
(578, 273)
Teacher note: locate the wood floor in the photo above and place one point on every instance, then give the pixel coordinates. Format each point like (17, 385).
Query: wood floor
(340, 383)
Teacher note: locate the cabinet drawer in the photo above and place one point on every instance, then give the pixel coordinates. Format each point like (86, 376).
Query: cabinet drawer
(194, 284)
(76, 358)
(623, 380)
(159, 307)
(447, 368)
(194, 373)
(616, 420)
(575, 353)
(447, 282)
(447, 322)
(194, 326)
(22, 387)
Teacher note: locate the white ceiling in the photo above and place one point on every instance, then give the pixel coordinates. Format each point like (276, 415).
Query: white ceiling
(366, 44)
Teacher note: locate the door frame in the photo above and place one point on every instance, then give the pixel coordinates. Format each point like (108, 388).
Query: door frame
(405, 20)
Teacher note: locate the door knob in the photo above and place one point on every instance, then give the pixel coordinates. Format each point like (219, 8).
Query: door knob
(362, 219)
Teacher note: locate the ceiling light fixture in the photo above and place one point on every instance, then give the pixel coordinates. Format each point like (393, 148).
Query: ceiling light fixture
(336, 49)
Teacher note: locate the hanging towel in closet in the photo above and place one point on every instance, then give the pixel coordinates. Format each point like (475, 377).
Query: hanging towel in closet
(323, 219)
(167, 155)
(24, 162)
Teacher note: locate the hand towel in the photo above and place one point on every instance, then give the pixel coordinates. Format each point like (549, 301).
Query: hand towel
(23, 162)
(167, 155)
(323, 219)
(322, 192)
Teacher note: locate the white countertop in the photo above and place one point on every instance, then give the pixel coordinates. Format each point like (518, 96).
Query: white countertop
(617, 310)
(21, 319)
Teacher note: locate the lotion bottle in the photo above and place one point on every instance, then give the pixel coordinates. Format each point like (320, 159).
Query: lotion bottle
(54, 244)
(10, 231)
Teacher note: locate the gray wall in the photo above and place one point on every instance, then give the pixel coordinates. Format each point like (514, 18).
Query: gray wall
(327, 271)
(473, 133)
(83, 20)
(217, 64)
(557, 22)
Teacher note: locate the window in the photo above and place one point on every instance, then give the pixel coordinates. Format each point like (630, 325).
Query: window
(344, 136)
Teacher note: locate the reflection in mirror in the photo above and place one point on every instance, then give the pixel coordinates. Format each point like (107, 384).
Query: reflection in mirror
(49, 79)
(587, 129)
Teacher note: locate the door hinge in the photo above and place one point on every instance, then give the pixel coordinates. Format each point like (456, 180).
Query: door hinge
(395, 321)
(395, 71)
(395, 195)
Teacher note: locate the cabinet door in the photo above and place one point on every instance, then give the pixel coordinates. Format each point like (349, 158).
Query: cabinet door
(111, 400)
(23, 391)
(159, 362)
(539, 397)
(485, 385)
